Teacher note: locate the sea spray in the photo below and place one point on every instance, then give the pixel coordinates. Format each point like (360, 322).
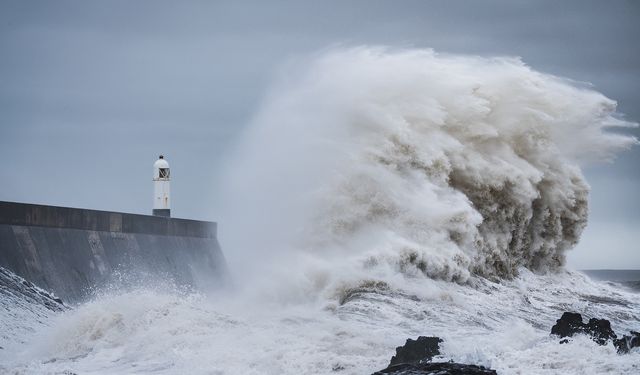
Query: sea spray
(371, 162)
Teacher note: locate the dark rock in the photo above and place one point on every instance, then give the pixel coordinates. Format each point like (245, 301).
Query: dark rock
(598, 329)
(436, 368)
(568, 325)
(414, 359)
(416, 351)
(571, 323)
(626, 343)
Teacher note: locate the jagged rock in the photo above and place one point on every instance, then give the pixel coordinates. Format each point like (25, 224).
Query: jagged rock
(571, 323)
(436, 368)
(413, 358)
(626, 343)
(416, 351)
(598, 329)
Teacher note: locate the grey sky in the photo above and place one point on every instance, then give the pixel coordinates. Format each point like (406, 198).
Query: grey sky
(92, 91)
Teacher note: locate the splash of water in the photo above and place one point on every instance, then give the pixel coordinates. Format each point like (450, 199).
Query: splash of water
(377, 162)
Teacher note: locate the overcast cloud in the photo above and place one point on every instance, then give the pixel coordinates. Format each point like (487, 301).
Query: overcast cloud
(91, 92)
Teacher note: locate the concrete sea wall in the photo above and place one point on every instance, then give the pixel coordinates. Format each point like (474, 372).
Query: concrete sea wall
(72, 251)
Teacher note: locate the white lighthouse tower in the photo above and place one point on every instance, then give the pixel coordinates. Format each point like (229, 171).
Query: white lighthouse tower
(161, 178)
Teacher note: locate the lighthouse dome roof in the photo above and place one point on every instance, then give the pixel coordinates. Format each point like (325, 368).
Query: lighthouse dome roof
(161, 163)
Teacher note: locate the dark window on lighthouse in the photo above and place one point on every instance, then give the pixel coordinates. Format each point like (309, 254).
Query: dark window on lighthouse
(164, 172)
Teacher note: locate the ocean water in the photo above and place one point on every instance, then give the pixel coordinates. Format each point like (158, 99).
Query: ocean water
(377, 195)
(503, 325)
(627, 278)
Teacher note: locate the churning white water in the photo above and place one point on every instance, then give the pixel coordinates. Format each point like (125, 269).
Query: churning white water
(380, 195)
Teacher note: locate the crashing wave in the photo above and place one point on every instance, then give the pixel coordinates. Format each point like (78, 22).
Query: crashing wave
(428, 164)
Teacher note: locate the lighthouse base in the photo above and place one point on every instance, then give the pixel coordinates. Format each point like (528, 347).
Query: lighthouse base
(162, 212)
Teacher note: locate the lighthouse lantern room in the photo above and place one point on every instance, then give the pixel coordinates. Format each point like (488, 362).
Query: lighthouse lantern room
(161, 179)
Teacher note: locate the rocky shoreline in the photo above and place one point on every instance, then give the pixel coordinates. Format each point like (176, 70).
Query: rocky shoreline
(599, 330)
(415, 356)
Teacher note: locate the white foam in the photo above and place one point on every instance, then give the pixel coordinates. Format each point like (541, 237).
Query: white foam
(503, 325)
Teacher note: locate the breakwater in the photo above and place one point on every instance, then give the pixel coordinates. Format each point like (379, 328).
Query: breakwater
(71, 251)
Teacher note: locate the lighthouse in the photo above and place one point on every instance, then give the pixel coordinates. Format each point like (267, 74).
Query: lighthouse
(161, 178)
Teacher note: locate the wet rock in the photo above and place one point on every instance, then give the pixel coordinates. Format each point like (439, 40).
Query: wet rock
(439, 368)
(414, 358)
(571, 323)
(626, 343)
(416, 351)
(598, 329)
